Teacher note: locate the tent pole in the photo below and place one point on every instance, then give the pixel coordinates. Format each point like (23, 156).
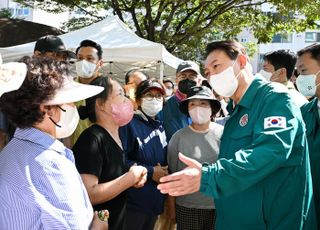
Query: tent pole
(161, 70)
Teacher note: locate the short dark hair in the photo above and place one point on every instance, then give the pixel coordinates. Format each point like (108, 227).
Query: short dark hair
(167, 80)
(231, 48)
(313, 49)
(282, 59)
(132, 72)
(89, 43)
(44, 77)
(89, 110)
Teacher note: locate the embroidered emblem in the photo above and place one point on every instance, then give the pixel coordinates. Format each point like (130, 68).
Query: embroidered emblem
(244, 120)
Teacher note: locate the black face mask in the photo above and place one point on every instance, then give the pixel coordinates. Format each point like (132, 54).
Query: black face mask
(185, 85)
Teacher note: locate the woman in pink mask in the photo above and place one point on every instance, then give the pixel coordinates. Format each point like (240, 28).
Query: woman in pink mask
(99, 154)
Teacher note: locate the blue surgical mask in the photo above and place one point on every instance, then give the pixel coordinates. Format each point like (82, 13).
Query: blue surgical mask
(306, 84)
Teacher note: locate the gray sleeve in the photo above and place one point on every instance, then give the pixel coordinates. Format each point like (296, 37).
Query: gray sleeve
(172, 155)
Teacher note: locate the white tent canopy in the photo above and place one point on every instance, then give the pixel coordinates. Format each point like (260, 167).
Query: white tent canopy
(122, 49)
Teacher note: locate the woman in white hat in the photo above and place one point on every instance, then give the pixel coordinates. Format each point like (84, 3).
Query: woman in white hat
(39, 184)
(201, 140)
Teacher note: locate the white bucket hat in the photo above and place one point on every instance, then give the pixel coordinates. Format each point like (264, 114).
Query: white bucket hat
(12, 75)
(72, 91)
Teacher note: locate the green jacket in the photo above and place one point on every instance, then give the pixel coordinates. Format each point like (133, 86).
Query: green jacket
(311, 118)
(262, 177)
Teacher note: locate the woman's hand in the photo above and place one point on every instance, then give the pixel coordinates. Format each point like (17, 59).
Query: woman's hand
(139, 174)
(158, 172)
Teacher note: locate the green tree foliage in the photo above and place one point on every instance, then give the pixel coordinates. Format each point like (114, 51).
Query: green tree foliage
(185, 26)
(5, 13)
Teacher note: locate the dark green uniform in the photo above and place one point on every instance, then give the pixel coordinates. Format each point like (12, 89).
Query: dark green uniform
(311, 118)
(262, 177)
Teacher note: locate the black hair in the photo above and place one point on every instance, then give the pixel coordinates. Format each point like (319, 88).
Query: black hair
(89, 43)
(167, 80)
(89, 110)
(231, 48)
(44, 76)
(132, 72)
(313, 49)
(282, 59)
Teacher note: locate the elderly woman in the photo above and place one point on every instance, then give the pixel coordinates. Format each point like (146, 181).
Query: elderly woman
(39, 184)
(144, 142)
(99, 154)
(200, 141)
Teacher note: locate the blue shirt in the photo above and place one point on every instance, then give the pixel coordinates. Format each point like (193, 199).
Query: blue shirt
(173, 118)
(144, 142)
(40, 186)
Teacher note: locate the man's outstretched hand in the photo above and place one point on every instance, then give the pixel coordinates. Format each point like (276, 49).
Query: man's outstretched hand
(183, 182)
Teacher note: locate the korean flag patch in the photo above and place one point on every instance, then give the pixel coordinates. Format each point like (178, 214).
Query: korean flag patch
(275, 122)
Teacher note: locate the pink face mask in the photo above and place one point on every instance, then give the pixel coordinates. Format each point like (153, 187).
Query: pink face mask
(122, 113)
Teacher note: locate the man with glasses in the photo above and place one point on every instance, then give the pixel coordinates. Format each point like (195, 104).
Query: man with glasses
(187, 75)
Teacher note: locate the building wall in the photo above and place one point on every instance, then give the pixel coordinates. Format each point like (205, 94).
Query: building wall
(35, 15)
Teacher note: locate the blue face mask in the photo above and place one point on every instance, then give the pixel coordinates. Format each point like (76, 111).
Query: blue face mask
(306, 84)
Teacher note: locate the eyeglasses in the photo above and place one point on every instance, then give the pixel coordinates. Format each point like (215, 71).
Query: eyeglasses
(150, 96)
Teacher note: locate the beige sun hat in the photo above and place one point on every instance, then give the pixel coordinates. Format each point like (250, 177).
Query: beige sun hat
(12, 75)
(72, 91)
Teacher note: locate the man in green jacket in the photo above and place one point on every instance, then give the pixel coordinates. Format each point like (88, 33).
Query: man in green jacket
(262, 177)
(308, 67)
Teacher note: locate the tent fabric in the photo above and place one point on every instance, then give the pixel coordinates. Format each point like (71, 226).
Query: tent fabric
(122, 49)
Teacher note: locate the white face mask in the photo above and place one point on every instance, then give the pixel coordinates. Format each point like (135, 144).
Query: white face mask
(306, 84)
(265, 74)
(225, 83)
(85, 69)
(168, 92)
(152, 107)
(200, 115)
(69, 119)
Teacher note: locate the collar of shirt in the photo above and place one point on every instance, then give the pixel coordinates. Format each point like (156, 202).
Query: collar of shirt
(319, 107)
(43, 139)
(250, 94)
(142, 116)
(290, 85)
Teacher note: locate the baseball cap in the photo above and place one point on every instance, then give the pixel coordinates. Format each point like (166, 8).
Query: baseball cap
(12, 75)
(52, 43)
(200, 92)
(72, 91)
(188, 65)
(149, 84)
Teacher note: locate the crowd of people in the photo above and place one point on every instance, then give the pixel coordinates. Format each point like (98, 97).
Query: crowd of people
(225, 150)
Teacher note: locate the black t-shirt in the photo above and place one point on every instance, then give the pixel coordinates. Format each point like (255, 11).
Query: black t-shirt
(98, 154)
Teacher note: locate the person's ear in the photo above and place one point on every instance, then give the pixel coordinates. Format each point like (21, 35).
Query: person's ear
(283, 72)
(243, 61)
(100, 63)
(37, 53)
(99, 104)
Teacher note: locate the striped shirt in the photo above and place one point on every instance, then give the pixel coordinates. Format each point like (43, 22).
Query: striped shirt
(40, 187)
